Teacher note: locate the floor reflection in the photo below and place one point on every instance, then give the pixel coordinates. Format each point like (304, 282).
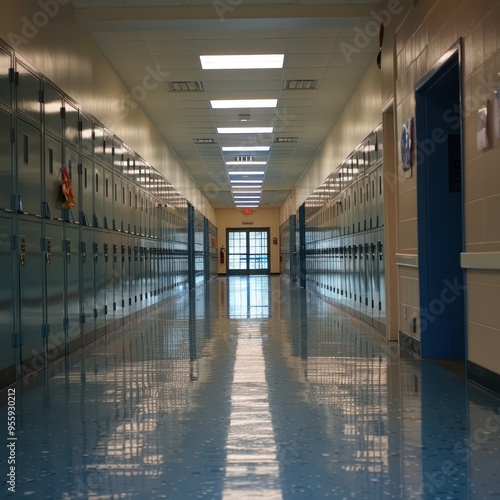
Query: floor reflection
(252, 388)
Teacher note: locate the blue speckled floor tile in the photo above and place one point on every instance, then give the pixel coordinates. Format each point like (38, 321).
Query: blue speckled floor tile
(251, 388)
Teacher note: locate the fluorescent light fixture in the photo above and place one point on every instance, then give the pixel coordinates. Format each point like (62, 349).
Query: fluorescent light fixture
(246, 163)
(245, 148)
(256, 184)
(245, 130)
(253, 172)
(243, 103)
(247, 192)
(247, 197)
(247, 205)
(251, 61)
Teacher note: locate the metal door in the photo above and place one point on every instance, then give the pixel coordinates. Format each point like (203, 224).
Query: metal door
(52, 246)
(7, 353)
(98, 184)
(87, 289)
(108, 199)
(32, 328)
(71, 287)
(118, 203)
(5, 78)
(381, 278)
(29, 168)
(52, 111)
(117, 275)
(99, 283)
(87, 135)
(71, 128)
(6, 179)
(71, 158)
(53, 199)
(380, 197)
(110, 255)
(28, 93)
(86, 191)
(99, 145)
(372, 279)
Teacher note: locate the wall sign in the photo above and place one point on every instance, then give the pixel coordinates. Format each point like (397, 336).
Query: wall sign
(406, 144)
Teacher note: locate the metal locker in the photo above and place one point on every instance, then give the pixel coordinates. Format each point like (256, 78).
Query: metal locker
(87, 131)
(108, 146)
(28, 93)
(6, 178)
(99, 144)
(127, 256)
(29, 169)
(87, 288)
(108, 188)
(86, 196)
(7, 353)
(355, 304)
(52, 248)
(71, 286)
(98, 185)
(32, 329)
(380, 144)
(135, 219)
(361, 295)
(118, 203)
(372, 279)
(71, 159)
(381, 279)
(136, 284)
(380, 195)
(373, 180)
(53, 199)
(99, 282)
(118, 274)
(5, 78)
(110, 256)
(52, 105)
(71, 124)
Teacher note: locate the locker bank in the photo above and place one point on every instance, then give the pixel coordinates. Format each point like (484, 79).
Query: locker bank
(250, 249)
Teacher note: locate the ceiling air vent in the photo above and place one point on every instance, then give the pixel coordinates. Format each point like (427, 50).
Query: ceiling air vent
(184, 86)
(243, 158)
(286, 139)
(300, 84)
(205, 141)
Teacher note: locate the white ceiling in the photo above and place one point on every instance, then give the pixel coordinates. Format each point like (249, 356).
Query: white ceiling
(170, 35)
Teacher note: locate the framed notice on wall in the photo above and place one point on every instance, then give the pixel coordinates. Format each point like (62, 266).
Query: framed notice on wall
(406, 145)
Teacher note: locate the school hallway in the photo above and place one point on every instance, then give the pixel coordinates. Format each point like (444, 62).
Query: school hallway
(251, 387)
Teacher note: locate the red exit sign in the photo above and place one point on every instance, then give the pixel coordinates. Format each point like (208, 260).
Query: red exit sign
(247, 211)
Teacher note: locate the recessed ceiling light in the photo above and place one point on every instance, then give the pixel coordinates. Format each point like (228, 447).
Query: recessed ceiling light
(247, 192)
(245, 148)
(256, 182)
(252, 172)
(251, 61)
(243, 103)
(245, 130)
(246, 163)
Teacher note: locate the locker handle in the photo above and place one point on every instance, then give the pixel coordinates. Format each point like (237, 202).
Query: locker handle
(48, 258)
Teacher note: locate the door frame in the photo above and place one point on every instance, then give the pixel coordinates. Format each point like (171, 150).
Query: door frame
(248, 271)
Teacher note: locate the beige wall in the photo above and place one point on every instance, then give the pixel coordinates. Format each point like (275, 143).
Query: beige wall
(362, 114)
(426, 34)
(71, 59)
(261, 218)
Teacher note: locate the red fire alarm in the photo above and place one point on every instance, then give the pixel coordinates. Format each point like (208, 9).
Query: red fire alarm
(247, 211)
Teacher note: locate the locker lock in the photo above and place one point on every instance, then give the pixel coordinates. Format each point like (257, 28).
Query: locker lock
(83, 251)
(48, 254)
(129, 253)
(106, 249)
(22, 255)
(96, 253)
(380, 250)
(123, 253)
(68, 251)
(115, 252)
(135, 253)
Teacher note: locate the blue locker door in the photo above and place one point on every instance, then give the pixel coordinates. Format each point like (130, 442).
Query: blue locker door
(118, 274)
(71, 287)
(87, 289)
(6, 185)
(5, 80)
(29, 167)
(7, 353)
(86, 198)
(54, 272)
(32, 327)
(110, 255)
(99, 283)
(71, 162)
(53, 199)
(381, 279)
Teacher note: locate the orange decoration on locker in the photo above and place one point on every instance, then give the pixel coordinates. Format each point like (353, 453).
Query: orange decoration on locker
(67, 189)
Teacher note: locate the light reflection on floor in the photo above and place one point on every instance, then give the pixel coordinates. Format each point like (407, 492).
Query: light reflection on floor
(251, 388)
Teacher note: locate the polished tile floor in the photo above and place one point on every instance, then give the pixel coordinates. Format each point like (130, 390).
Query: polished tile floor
(251, 388)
